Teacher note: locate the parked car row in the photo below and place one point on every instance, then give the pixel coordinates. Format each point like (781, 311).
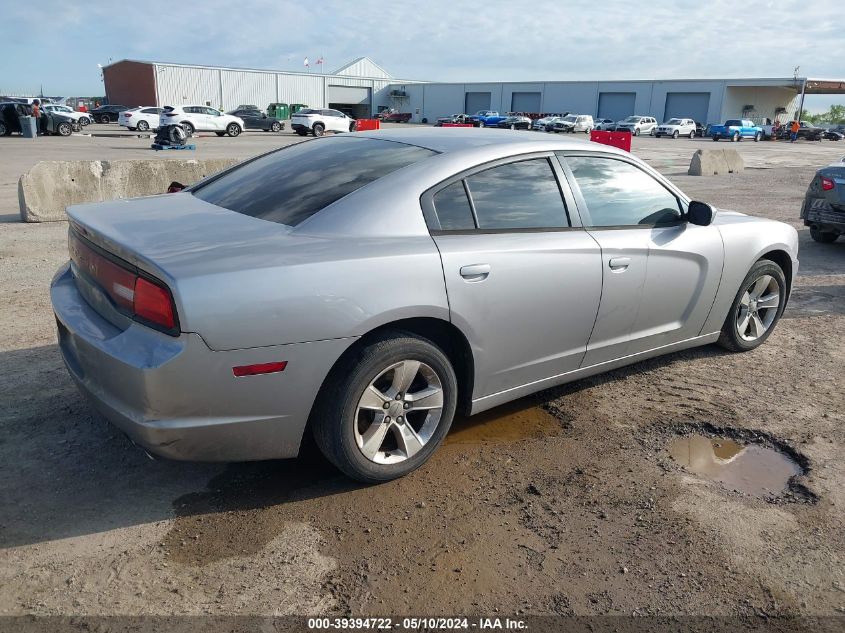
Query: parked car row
(54, 121)
(198, 118)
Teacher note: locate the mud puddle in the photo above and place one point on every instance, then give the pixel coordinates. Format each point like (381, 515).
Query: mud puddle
(748, 468)
(508, 423)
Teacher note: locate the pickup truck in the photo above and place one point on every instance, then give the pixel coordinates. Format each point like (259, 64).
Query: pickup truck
(736, 130)
(806, 130)
(487, 118)
(390, 116)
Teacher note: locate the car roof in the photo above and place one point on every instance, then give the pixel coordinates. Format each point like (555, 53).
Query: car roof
(448, 140)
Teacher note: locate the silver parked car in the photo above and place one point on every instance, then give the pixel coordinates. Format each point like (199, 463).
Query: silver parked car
(366, 287)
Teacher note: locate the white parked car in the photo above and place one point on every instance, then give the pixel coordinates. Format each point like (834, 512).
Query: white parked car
(317, 122)
(574, 123)
(637, 125)
(83, 118)
(142, 119)
(604, 124)
(199, 118)
(676, 128)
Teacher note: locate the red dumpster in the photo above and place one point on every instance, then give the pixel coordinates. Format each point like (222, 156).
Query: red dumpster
(622, 140)
(362, 125)
(457, 125)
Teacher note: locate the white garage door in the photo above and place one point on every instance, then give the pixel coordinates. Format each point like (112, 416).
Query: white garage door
(476, 101)
(348, 94)
(687, 105)
(616, 105)
(525, 102)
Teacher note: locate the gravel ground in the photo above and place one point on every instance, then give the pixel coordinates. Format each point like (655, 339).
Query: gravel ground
(563, 503)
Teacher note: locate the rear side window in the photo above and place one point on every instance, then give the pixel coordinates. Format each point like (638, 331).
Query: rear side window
(292, 184)
(453, 209)
(522, 195)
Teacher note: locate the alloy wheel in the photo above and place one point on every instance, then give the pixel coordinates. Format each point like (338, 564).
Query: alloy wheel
(758, 308)
(399, 412)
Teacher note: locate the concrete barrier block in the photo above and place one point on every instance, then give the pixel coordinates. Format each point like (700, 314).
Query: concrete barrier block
(711, 162)
(50, 186)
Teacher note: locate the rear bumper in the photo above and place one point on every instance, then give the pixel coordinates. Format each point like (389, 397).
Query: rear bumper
(177, 398)
(819, 212)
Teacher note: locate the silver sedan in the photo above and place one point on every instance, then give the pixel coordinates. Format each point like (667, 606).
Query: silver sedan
(365, 287)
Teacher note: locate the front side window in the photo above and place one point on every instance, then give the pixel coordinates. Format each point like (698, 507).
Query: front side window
(291, 184)
(619, 194)
(521, 195)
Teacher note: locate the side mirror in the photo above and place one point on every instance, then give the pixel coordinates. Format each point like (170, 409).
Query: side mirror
(700, 213)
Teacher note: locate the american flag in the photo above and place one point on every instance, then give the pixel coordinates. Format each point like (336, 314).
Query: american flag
(305, 63)
(320, 60)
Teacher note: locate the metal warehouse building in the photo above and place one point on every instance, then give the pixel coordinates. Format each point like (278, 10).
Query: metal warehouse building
(362, 88)
(358, 88)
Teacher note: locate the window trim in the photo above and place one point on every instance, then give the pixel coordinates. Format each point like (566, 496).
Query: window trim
(433, 222)
(583, 207)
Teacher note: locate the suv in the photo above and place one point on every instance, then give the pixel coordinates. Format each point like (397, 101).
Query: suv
(107, 113)
(317, 122)
(676, 128)
(574, 123)
(83, 118)
(199, 118)
(637, 125)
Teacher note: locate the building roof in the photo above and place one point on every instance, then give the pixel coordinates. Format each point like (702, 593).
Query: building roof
(363, 67)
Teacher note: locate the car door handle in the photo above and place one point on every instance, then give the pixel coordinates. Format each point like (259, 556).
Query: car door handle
(619, 264)
(475, 272)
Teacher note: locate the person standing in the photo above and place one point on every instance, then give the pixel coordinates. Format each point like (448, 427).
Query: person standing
(794, 129)
(39, 116)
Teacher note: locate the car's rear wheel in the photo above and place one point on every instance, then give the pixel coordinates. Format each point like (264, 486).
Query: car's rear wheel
(189, 128)
(143, 126)
(384, 411)
(318, 129)
(233, 129)
(64, 129)
(275, 126)
(352, 126)
(105, 119)
(756, 309)
(825, 237)
(4, 130)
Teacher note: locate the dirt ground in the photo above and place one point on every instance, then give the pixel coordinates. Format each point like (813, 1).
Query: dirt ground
(563, 503)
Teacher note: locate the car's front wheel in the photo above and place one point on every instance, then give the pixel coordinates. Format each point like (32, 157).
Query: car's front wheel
(64, 129)
(676, 134)
(384, 411)
(233, 129)
(756, 309)
(83, 121)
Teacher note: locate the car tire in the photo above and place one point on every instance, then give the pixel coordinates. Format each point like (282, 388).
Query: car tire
(318, 129)
(84, 120)
(351, 406)
(105, 119)
(757, 137)
(587, 131)
(715, 138)
(692, 135)
(4, 129)
(676, 134)
(64, 129)
(746, 327)
(143, 126)
(823, 237)
(233, 130)
(482, 124)
(275, 126)
(736, 137)
(188, 127)
(302, 132)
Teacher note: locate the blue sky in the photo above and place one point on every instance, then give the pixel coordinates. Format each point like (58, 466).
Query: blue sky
(59, 43)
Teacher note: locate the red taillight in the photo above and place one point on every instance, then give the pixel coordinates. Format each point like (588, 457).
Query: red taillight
(127, 115)
(260, 368)
(131, 294)
(153, 303)
(827, 184)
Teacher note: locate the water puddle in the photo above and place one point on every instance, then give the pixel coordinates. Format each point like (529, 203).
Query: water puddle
(507, 423)
(752, 469)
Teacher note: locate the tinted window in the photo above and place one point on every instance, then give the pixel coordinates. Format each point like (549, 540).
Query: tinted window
(620, 194)
(452, 206)
(292, 184)
(151, 110)
(521, 195)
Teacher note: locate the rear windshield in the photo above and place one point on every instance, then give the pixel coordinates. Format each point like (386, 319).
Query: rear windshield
(735, 122)
(292, 184)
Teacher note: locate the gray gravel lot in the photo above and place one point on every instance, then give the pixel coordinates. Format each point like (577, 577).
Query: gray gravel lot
(563, 503)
